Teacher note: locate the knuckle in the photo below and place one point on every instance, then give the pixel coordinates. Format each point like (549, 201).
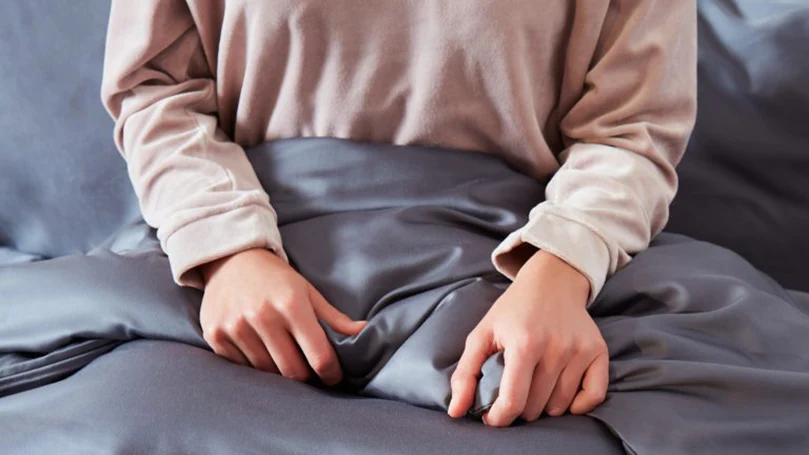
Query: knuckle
(215, 336)
(593, 349)
(459, 376)
(599, 346)
(578, 347)
(591, 399)
(286, 304)
(255, 316)
(472, 340)
(560, 349)
(599, 395)
(323, 363)
(509, 407)
(525, 346)
(239, 326)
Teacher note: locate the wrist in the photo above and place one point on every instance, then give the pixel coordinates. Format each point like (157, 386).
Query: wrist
(210, 269)
(543, 264)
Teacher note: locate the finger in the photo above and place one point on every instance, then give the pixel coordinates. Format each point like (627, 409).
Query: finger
(546, 377)
(465, 377)
(594, 386)
(283, 349)
(514, 387)
(244, 337)
(224, 348)
(317, 349)
(337, 320)
(566, 387)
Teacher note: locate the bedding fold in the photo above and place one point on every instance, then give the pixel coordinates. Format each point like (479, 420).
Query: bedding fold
(706, 351)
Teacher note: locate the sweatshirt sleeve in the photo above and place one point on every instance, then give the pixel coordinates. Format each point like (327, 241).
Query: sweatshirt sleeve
(194, 184)
(623, 138)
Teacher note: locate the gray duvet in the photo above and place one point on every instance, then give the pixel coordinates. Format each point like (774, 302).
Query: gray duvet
(102, 353)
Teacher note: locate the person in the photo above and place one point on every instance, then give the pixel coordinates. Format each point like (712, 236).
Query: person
(599, 96)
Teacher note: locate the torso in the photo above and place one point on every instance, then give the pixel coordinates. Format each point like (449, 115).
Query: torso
(481, 75)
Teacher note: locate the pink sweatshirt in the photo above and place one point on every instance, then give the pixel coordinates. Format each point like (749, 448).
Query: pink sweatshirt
(600, 95)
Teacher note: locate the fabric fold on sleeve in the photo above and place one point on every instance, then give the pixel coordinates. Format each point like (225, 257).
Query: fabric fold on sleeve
(622, 139)
(551, 229)
(225, 234)
(194, 184)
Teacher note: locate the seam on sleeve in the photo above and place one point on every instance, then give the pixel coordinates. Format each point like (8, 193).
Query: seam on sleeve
(206, 137)
(581, 222)
(218, 211)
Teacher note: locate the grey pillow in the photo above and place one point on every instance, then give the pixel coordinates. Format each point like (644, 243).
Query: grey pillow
(63, 186)
(745, 177)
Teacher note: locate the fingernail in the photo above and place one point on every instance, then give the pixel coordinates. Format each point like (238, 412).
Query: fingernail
(555, 412)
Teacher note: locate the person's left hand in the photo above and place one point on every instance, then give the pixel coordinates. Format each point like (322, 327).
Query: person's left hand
(555, 357)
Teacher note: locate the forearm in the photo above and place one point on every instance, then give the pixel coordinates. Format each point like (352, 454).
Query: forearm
(623, 139)
(194, 184)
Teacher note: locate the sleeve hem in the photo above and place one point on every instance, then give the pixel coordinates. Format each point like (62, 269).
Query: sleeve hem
(218, 236)
(571, 241)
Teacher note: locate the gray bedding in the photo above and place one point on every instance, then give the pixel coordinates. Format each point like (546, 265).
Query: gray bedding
(743, 181)
(101, 354)
(706, 351)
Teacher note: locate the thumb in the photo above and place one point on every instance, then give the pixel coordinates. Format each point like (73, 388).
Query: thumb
(464, 380)
(336, 319)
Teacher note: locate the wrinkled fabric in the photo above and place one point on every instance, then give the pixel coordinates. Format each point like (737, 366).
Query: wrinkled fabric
(742, 186)
(706, 351)
(158, 397)
(743, 180)
(597, 95)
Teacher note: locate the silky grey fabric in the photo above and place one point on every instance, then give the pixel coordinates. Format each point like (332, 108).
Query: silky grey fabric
(158, 397)
(63, 186)
(63, 190)
(744, 181)
(706, 351)
(400, 235)
(380, 236)
(708, 354)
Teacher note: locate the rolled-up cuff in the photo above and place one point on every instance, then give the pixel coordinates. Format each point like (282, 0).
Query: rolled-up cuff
(218, 236)
(573, 242)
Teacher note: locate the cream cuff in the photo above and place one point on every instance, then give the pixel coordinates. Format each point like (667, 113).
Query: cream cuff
(577, 244)
(218, 236)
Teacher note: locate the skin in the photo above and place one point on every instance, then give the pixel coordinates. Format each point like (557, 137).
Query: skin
(555, 357)
(258, 311)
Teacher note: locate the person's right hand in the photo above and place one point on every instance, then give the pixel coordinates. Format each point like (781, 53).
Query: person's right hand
(258, 311)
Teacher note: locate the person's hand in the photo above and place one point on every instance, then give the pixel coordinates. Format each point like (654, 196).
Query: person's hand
(258, 311)
(555, 357)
